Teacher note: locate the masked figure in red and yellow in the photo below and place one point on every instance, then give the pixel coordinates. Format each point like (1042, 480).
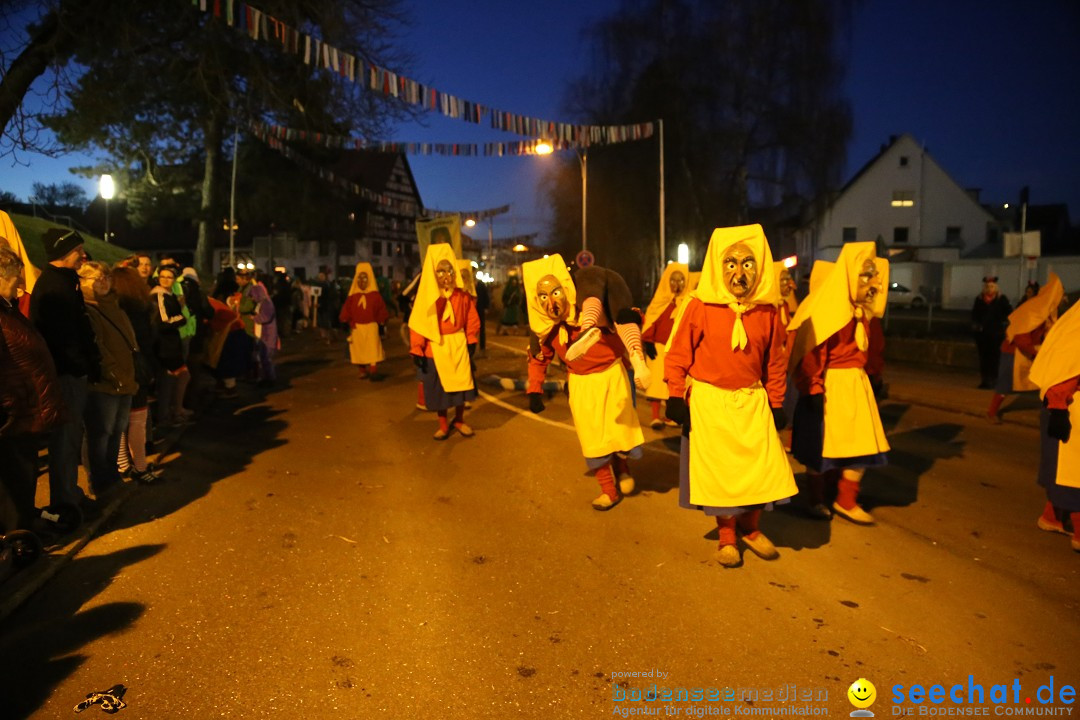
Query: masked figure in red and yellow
(726, 374)
(672, 290)
(600, 401)
(444, 328)
(364, 310)
(837, 432)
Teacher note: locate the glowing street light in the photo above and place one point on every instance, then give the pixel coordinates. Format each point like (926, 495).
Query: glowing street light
(543, 148)
(469, 222)
(107, 189)
(684, 253)
(520, 248)
(791, 261)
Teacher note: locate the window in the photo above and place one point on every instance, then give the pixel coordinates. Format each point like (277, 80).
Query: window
(376, 248)
(903, 198)
(952, 235)
(903, 161)
(850, 234)
(899, 235)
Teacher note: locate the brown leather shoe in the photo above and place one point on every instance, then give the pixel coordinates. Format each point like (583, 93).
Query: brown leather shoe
(728, 556)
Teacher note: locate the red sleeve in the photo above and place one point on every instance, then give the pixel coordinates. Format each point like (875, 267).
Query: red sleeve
(810, 372)
(776, 363)
(379, 309)
(1059, 396)
(472, 320)
(538, 368)
(1025, 343)
(875, 356)
(650, 334)
(681, 355)
(417, 343)
(346, 310)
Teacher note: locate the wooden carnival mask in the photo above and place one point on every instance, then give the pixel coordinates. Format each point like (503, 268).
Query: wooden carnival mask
(740, 270)
(677, 283)
(552, 297)
(869, 284)
(786, 283)
(444, 275)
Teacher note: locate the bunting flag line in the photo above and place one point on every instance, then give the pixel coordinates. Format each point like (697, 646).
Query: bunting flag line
(515, 240)
(473, 214)
(261, 27)
(386, 203)
(345, 142)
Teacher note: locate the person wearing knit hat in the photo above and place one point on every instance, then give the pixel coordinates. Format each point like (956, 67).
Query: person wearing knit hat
(604, 417)
(1056, 372)
(364, 311)
(726, 372)
(443, 331)
(1027, 326)
(837, 426)
(672, 290)
(60, 242)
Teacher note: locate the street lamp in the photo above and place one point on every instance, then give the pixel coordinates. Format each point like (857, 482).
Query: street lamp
(520, 248)
(469, 222)
(543, 148)
(684, 253)
(107, 189)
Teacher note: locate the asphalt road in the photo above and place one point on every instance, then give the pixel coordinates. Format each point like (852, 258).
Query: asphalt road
(314, 553)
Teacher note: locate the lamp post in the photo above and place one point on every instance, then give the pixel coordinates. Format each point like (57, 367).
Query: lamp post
(107, 189)
(583, 157)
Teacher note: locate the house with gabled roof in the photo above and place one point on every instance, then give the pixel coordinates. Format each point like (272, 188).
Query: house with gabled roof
(906, 201)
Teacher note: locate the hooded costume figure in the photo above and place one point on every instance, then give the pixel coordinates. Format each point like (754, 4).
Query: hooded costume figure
(726, 372)
(365, 310)
(604, 416)
(1028, 325)
(1056, 372)
(837, 427)
(671, 292)
(604, 300)
(787, 307)
(443, 330)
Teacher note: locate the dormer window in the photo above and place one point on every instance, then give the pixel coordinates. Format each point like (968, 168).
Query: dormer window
(903, 160)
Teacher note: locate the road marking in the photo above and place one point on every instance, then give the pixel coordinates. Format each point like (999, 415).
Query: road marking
(565, 426)
(511, 348)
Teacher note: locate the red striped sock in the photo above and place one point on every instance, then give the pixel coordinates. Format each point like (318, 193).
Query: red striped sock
(630, 334)
(592, 310)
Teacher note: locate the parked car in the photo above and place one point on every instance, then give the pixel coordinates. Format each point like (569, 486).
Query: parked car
(903, 296)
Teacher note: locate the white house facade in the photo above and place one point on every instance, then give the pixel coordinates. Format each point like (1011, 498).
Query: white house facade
(907, 201)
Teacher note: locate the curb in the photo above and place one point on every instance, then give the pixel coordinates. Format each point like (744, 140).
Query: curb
(23, 584)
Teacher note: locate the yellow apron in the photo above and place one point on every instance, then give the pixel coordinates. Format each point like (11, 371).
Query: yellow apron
(604, 415)
(1022, 373)
(452, 362)
(736, 457)
(1068, 464)
(852, 423)
(657, 389)
(365, 347)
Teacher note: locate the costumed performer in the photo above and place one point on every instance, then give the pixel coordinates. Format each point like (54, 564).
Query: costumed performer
(1027, 327)
(364, 310)
(443, 330)
(604, 417)
(837, 426)
(1056, 371)
(727, 372)
(672, 290)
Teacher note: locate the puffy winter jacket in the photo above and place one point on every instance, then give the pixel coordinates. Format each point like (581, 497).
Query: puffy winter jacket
(116, 342)
(30, 395)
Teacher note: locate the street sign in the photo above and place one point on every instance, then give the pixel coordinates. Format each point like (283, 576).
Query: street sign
(584, 259)
(1028, 243)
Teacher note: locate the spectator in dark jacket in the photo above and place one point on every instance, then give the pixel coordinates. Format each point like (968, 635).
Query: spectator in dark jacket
(58, 312)
(168, 318)
(109, 402)
(989, 316)
(31, 401)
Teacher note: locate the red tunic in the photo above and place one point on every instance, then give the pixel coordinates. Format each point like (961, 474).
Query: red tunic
(1025, 342)
(839, 351)
(1059, 396)
(607, 350)
(702, 349)
(875, 360)
(465, 318)
(660, 331)
(355, 314)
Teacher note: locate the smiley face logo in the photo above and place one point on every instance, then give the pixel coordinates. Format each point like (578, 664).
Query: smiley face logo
(862, 693)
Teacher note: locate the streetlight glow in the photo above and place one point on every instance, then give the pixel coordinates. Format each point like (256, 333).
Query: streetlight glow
(107, 188)
(684, 253)
(469, 222)
(543, 148)
(520, 248)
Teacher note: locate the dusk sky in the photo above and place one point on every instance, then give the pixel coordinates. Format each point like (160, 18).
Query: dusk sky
(987, 86)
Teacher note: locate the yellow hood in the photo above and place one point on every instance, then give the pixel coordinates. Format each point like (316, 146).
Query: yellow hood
(424, 319)
(1058, 359)
(9, 233)
(1037, 310)
(361, 269)
(532, 272)
(663, 296)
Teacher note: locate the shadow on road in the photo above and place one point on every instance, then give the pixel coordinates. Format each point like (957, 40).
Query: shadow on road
(912, 455)
(41, 646)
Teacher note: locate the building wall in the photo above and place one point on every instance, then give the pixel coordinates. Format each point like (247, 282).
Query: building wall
(927, 203)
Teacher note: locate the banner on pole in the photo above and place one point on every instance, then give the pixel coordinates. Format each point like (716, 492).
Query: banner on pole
(446, 229)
